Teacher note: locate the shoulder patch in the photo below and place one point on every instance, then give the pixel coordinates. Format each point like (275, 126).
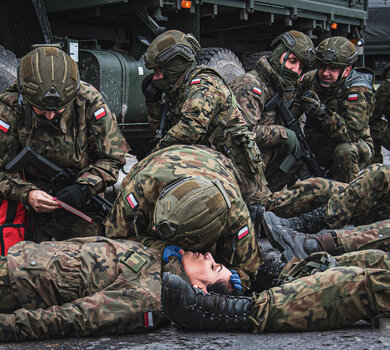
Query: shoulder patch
(100, 113)
(148, 319)
(4, 127)
(133, 260)
(352, 97)
(132, 201)
(195, 81)
(257, 90)
(243, 232)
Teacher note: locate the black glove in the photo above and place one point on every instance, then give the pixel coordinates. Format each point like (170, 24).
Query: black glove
(151, 93)
(312, 105)
(60, 221)
(190, 308)
(256, 212)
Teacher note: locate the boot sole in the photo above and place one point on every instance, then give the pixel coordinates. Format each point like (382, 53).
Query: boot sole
(275, 238)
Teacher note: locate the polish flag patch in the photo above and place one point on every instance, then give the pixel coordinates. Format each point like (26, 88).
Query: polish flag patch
(352, 97)
(4, 127)
(132, 201)
(257, 90)
(243, 232)
(100, 113)
(196, 81)
(301, 79)
(148, 319)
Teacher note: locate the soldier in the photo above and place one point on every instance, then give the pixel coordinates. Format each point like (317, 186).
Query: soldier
(333, 293)
(67, 121)
(198, 107)
(92, 286)
(187, 196)
(293, 53)
(379, 127)
(338, 102)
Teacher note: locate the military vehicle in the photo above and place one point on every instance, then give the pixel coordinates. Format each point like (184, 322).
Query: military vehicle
(109, 37)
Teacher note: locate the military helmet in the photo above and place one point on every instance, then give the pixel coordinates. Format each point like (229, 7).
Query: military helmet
(168, 45)
(48, 78)
(299, 44)
(337, 51)
(191, 212)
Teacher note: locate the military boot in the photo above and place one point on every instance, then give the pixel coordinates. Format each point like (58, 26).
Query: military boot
(310, 222)
(292, 243)
(191, 308)
(256, 212)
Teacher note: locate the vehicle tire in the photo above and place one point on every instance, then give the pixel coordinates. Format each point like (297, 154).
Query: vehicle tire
(8, 68)
(223, 60)
(249, 60)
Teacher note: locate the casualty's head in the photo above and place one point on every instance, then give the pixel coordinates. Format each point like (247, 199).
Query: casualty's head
(335, 57)
(48, 79)
(293, 54)
(170, 55)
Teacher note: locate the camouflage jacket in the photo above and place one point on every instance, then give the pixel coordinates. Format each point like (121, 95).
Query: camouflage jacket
(382, 96)
(86, 139)
(203, 110)
(132, 213)
(84, 286)
(253, 90)
(348, 109)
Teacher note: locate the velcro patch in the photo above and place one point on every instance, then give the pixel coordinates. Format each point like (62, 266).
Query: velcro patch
(257, 90)
(100, 113)
(132, 201)
(243, 232)
(133, 260)
(4, 127)
(148, 319)
(195, 81)
(352, 97)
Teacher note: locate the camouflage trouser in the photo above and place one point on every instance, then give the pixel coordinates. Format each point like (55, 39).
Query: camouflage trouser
(358, 288)
(373, 236)
(8, 302)
(380, 132)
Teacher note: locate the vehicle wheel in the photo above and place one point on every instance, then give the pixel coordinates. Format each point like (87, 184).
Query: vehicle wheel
(8, 68)
(223, 60)
(249, 60)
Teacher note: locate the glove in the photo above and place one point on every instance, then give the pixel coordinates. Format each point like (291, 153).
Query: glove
(190, 308)
(235, 280)
(291, 142)
(171, 250)
(312, 105)
(151, 93)
(58, 226)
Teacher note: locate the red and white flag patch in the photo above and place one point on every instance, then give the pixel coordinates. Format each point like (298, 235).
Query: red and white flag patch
(4, 127)
(148, 319)
(257, 90)
(243, 232)
(352, 97)
(195, 81)
(132, 201)
(100, 113)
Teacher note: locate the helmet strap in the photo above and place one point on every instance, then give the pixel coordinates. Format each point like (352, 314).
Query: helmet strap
(285, 58)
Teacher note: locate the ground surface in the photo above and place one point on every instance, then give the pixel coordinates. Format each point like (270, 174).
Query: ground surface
(361, 336)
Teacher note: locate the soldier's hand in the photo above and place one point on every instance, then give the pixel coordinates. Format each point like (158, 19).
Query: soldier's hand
(312, 105)
(41, 201)
(291, 142)
(151, 93)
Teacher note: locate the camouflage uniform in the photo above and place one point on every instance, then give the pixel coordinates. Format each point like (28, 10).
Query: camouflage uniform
(252, 91)
(358, 288)
(341, 140)
(132, 215)
(86, 139)
(379, 126)
(84, 286)
(203, 110)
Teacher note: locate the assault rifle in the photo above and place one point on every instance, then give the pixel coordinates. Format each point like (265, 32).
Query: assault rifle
(58, 177)
(305, 153)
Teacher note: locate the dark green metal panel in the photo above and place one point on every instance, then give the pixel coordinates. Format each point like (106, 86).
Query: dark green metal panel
(53, 5)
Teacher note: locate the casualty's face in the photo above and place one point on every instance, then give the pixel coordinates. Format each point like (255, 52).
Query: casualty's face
(202, 269)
